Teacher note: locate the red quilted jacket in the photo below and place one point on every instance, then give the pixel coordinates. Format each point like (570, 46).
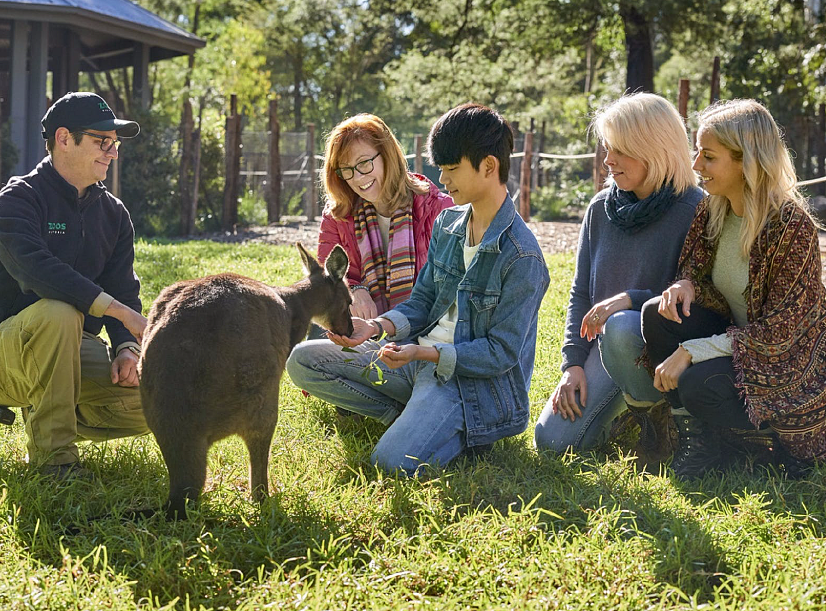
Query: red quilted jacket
(426, 208)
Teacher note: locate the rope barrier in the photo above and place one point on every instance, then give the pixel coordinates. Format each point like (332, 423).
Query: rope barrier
(553, 156)
(803, 183)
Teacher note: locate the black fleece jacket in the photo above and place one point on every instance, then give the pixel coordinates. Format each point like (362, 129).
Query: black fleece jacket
(55, 245)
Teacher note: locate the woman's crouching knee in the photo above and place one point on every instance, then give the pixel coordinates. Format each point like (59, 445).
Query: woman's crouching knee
(550, 434)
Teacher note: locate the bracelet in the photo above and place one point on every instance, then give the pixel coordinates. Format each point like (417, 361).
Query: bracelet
(380, 332)
(132, 349)
(356, 287)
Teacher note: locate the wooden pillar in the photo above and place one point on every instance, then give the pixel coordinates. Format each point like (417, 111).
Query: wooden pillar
(232, 152)
(525, 179)
(274, 166)
(600, 173)
(73, 63)
(682, 100)
(715, 81)
(60, 69)
(38, 67)
(312, 200)
(19, 89)
(418, 166)
(140, 76)
(66, 66)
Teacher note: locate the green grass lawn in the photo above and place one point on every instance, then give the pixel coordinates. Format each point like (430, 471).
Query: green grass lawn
(515, 530)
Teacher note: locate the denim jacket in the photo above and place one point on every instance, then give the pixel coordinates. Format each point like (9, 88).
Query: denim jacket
(498, 298)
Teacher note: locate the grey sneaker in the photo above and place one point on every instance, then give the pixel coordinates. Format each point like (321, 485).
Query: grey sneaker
(67, 471)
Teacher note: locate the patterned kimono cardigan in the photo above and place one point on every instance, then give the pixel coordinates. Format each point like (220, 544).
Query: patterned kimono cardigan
(780, 355)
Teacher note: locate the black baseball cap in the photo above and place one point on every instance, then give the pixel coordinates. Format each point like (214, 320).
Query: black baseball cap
(85, 110)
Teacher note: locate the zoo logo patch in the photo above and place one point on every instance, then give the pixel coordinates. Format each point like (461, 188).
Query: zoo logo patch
(57, 228)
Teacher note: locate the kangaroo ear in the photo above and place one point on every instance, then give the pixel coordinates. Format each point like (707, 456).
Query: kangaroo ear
(337, 263)
(307, 260)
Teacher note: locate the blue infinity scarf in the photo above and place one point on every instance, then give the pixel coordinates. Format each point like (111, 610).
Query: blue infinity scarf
(631, 214)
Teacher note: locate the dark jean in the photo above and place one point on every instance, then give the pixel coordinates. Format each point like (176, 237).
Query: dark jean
(705, 389)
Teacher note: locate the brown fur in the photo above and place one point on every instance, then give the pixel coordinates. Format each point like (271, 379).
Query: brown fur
(213, 354)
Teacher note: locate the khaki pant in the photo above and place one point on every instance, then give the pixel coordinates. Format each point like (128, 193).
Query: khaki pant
(49, 363)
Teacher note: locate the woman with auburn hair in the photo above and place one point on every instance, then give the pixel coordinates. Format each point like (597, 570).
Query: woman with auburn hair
(380, 213)
(629, 243)
(740, 340)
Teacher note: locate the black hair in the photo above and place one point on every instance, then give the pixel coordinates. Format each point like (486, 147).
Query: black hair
(50, 142)
(473, 131)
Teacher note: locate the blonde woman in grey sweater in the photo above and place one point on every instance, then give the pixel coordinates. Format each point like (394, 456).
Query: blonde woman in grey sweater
(628, 249)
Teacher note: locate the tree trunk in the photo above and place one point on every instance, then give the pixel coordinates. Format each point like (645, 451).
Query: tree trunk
(639, 48)
(185, 170)
(298, 78)
(190, 150)
(274, 166)
(232, 151)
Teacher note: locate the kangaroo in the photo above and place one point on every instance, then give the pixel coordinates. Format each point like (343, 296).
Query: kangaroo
(213, 354)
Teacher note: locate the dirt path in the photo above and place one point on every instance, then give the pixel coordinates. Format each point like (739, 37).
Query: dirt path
(553, 237)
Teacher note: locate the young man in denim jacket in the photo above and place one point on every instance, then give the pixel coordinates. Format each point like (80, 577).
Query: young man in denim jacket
(456, 368)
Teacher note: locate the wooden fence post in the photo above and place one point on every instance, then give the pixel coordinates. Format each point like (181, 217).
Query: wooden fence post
(525, 179)
(312, 202)
(274, 166)
(540, 173)
(418, 165)
(682, 100)
(232, 153)
(715, 80)
(821, 148)
(600, 172)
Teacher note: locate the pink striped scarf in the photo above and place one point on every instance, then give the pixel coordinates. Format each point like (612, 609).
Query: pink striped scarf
(387, 289)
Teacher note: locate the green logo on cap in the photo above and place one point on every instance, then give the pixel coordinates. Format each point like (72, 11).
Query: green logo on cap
(103, 105)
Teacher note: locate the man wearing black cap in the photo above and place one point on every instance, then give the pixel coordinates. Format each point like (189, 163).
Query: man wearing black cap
(66, 270)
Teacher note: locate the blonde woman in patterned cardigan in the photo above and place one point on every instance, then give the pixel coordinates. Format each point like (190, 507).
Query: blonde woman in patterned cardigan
(740, 340)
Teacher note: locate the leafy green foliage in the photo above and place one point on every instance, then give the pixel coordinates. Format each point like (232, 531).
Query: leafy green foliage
(408, 61)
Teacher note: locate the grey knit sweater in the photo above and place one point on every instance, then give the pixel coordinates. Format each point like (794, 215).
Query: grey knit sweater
(611, 261)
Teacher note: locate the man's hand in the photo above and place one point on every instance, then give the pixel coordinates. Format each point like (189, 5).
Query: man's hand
(668, 373)
(125, 369)
(563, 399)
(363, 305)
(679, 292)
(134, 322)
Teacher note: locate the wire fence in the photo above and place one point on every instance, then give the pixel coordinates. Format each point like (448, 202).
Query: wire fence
(553, 178)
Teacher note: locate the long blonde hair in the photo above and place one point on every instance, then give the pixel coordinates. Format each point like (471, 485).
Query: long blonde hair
(398, 186)
(648, 128)
(749, 133)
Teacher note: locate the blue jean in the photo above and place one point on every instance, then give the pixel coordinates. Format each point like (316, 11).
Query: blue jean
(620, 344)
(426, 418)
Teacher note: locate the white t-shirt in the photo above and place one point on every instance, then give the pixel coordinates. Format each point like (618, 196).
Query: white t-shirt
(384, 229)
(443, 332)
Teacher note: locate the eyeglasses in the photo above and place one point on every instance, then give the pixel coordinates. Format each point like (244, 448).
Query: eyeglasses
(363, 167)
(106, 143)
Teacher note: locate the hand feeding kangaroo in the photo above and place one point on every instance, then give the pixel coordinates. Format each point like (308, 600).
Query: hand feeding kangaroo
(213, 354)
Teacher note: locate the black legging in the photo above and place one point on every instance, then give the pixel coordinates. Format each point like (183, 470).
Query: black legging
(706, 389)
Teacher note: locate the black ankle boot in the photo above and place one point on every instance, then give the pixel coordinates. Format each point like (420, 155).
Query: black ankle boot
(699, 450)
